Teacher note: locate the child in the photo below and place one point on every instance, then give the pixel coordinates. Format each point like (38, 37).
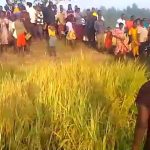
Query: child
(52, 40)
(19, 33)
(108, 40)
(71, 37)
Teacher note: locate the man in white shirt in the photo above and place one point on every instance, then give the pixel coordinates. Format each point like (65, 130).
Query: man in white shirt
(121, 20)
(31, 11)
(143, 32)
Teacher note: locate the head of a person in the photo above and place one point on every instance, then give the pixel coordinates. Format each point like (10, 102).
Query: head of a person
(123, 16)
(78, 10)
(138, 21)
(142, 23)
(135, 24)
(2, 14)
(38, 8)
(108, 29)
(29, 4)
(6, 7)
(132, 18)
(61, 8)
(121, 26)
(55, 7)
(99, 12)
(69, 7)
(100, 17)
(88, 11)
(93, 9)
(75, 7)
(1, 8)
(50, 4)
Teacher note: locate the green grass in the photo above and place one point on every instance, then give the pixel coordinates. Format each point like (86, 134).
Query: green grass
(77, 105)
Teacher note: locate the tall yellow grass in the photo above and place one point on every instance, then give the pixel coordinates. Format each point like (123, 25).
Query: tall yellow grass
(77, 105)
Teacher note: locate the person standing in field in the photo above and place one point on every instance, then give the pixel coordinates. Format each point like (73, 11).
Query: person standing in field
(79, 28)
(70, 14)
(99, 27)
(52, 40)
(143, 36)
(121, 42)
(108, 40)
(129, 23)
(39, 22)
(121, 20)
(4, 33)
(32, 13)
(60, 18)
(20, 33)
(134, 39)
(143, 118)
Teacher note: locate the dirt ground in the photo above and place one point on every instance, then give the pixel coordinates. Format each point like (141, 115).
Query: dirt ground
(40, 54)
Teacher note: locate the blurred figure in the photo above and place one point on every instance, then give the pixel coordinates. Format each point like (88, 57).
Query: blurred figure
(19, 33)
(129, 23)
(32, 13)
(143, 118)
(70, 14)
(39, 22)
(52, 40)
(61, 20)
(99, 27)
(143, 36)
(108, 40)
(121, 20)
(79, 28)
(89, 29)
(134, 39)
(121, 43)
(4, 25)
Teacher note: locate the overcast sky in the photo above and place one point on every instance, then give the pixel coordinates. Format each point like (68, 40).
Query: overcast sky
(108, 3)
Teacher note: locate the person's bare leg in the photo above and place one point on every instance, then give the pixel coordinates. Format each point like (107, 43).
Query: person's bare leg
(147, 143)
(141, 126)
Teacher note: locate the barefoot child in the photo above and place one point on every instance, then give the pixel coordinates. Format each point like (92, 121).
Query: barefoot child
(52, 40)
(108, 40)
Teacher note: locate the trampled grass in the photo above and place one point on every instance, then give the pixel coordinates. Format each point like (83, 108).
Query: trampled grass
(77, 105)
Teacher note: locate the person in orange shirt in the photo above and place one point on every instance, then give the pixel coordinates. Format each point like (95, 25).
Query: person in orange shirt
(129, 23)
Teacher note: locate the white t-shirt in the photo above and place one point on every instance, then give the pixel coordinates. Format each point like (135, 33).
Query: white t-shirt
(143, 34)
(12, 29)
(69, 26)
(120, 20)
(32, 13)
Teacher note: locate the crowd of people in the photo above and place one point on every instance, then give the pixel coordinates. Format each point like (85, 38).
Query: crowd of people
(22, 23)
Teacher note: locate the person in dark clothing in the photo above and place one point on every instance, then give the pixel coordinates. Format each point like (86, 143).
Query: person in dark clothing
(143, 118)
(89, 29)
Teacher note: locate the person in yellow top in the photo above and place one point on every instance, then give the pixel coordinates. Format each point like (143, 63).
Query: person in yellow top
(16, 9)
(52, 40)
(134, 39)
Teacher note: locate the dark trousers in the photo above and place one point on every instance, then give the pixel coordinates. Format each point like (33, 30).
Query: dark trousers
(142, 48)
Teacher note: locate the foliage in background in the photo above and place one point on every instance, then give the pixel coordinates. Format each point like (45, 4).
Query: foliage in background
(78, 105)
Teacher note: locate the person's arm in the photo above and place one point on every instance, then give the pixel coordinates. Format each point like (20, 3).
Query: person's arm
(141, 126)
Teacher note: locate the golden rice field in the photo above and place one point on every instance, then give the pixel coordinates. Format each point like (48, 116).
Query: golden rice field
(73, 105)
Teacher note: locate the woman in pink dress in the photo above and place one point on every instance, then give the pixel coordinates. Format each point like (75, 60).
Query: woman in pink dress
(121, 41)
(4, 34)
